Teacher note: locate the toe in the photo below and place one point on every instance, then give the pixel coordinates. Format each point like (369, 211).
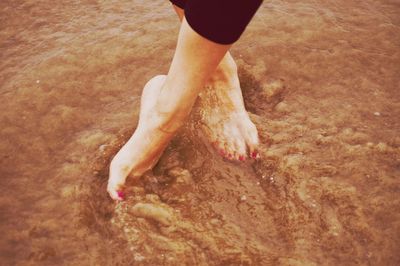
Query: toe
(224, 149)
(230, 151)
(115, 186)
(252, 142)
(120, 194)
(115, 193)
(238, 144)
(240, 149)
(220, 148)
(232, 147)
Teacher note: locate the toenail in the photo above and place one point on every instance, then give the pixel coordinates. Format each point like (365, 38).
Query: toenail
(121, 194)
(255, 155)
(242, 158)
(222, 152)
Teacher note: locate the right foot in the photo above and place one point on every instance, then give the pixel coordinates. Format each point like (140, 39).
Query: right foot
(144, 148)
(224, 118)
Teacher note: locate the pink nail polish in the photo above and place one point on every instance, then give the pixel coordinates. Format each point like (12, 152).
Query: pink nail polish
(242, 158)
(121, 194)
(254, 155)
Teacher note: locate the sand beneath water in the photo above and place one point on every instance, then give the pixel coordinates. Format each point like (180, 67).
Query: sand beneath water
(320, 79)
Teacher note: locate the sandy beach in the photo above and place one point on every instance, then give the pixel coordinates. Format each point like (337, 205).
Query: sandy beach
(320, 80)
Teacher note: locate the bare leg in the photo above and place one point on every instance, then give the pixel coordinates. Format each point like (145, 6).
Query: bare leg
(225, 120)
(166, 103)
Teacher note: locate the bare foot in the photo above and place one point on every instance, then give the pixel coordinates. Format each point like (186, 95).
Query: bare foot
(144, 148)
(224, 118)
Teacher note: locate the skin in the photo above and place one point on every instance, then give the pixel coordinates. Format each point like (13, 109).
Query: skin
(197, 63)
(225, 120)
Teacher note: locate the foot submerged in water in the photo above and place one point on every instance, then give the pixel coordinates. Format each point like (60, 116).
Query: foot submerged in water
(224, 118)
(146, 145)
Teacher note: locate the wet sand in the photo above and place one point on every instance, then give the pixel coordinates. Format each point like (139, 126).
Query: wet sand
(320, 79)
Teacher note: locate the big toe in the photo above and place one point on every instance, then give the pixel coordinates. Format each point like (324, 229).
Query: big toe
(115, 189)
(115, 193)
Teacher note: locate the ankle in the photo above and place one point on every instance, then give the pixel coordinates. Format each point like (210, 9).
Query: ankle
(226, 72)
(161, 122)
(170, 114)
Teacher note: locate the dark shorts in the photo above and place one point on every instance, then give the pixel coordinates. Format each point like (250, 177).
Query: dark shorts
(221, 21)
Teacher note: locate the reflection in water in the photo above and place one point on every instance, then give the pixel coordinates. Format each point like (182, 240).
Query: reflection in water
(319, 80)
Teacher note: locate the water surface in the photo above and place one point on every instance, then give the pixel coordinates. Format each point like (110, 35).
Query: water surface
(320, 79)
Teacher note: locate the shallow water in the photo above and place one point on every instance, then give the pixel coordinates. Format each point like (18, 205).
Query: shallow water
(320, 79)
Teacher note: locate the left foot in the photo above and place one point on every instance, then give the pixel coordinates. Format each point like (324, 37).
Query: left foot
(146, 145)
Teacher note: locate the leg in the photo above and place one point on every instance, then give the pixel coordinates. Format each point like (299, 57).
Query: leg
(166, 103)
(224, 118)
